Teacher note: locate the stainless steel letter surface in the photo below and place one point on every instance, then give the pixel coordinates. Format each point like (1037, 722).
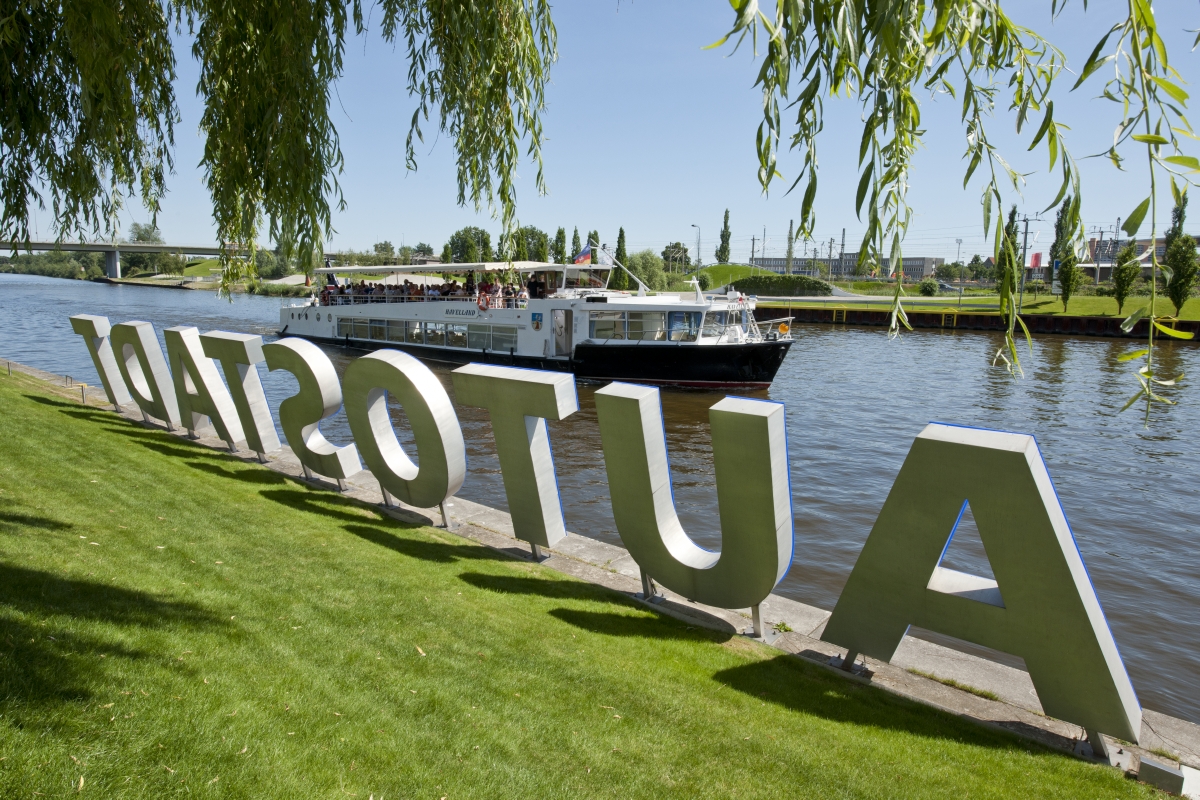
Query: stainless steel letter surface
(95, 332)
(440, 448)
(1041, 606)
(520, 401)
(753, 496)
(145, 371)
(320, 397)
(198, 388)
(238, 354)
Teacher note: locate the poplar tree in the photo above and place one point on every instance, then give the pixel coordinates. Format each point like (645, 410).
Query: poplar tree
(791, 248)
(1125, 274)
(1179, 255)
(594, 242)
(722, 253)
(618, 280)
(558, 251)
(575, 247)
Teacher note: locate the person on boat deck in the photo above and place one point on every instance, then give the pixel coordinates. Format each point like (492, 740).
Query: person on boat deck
(470, 283)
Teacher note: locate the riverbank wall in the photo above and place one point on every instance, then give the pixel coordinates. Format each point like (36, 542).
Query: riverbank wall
(959, 683)
(831, 314)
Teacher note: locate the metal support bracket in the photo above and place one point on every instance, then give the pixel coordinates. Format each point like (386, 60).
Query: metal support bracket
(448, 525)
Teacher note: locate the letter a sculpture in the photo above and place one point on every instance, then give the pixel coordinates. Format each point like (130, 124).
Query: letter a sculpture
(1041, 606)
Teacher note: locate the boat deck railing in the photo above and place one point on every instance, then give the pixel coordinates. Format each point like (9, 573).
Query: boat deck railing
(358, 298)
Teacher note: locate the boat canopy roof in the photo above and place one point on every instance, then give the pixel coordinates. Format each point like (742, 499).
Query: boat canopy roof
(482, 266)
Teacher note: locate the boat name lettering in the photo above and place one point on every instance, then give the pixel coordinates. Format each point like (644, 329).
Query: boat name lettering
(460, 312)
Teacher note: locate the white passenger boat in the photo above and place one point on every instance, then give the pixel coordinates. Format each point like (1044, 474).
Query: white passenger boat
(573, 323)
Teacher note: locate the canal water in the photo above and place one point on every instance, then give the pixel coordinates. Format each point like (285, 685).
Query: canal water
(855, 401)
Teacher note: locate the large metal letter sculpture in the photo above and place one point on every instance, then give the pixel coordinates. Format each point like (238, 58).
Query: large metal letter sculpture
(145, 371)
(753, 496)
(520, 401)
(95, 332)
(319, 398)
(1041, 606)
(198, 388)
(238, 354)
(440, 447)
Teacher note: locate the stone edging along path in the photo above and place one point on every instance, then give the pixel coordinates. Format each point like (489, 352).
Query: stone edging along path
(1017, 710)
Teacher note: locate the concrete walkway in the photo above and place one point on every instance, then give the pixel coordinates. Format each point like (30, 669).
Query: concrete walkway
(1017, 710)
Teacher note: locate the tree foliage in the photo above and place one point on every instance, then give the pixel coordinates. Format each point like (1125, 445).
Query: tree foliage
(576, 246)
(648, 266)
(1125, 274)
(471, 244)
(676, 255)
(722, 253)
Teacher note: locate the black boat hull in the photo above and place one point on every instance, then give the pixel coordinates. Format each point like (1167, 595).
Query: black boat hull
(725, 366)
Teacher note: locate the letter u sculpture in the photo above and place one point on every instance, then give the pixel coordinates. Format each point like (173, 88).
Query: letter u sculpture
(753, 496)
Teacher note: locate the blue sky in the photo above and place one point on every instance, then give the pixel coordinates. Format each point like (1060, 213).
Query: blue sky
(648, 131)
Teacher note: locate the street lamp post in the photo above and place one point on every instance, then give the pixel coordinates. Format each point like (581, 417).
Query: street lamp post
(697, 227)
(958, 259)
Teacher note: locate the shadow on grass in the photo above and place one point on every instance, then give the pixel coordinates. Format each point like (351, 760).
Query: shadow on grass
(11, 521)
(41, 662)
(787, 681)
(263, 477)
(556, 589)
(437, 552)
(637, 624)
(327, 504)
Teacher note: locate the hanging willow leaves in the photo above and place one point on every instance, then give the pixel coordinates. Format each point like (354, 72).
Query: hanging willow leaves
(89, 107)
(880, 53)
(88, 111)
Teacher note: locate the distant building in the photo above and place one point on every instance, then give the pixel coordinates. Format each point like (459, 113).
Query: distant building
(418, 260)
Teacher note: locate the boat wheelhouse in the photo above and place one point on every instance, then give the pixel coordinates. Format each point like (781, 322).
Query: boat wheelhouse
(571, 322)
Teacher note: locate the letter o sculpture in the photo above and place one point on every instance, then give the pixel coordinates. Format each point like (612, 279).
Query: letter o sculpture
(441, 452)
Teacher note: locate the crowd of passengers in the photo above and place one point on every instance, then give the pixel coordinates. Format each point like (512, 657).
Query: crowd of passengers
(493, 294)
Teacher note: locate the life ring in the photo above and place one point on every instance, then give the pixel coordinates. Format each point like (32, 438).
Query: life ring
(482, 302)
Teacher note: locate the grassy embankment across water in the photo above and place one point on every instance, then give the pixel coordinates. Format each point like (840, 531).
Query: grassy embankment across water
(1042, 304)
(174, 621)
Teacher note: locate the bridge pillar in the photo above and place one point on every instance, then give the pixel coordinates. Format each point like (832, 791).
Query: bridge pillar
(112, 263)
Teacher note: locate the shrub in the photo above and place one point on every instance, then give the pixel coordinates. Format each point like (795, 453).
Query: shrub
(705, 281)
(783, 285)
(928, 288)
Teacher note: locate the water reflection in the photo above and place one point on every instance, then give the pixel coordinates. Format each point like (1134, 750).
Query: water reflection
(855, 400)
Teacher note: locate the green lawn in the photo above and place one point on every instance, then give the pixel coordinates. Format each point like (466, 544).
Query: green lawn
(176, 622)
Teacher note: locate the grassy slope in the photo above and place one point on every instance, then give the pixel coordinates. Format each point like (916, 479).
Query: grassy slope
(203, 269)
(722, 274)
(173, 621)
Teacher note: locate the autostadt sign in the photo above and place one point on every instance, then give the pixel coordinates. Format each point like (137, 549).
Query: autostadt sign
(1041, 605)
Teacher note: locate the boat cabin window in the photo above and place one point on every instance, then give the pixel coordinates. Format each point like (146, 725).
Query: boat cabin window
(479, 337)
(683, 326)
(413, 333)
(715, 322)
(504, 337)
(648, 326)
(456, 335)
(586, 278)
(607, 325)
(435, 333)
